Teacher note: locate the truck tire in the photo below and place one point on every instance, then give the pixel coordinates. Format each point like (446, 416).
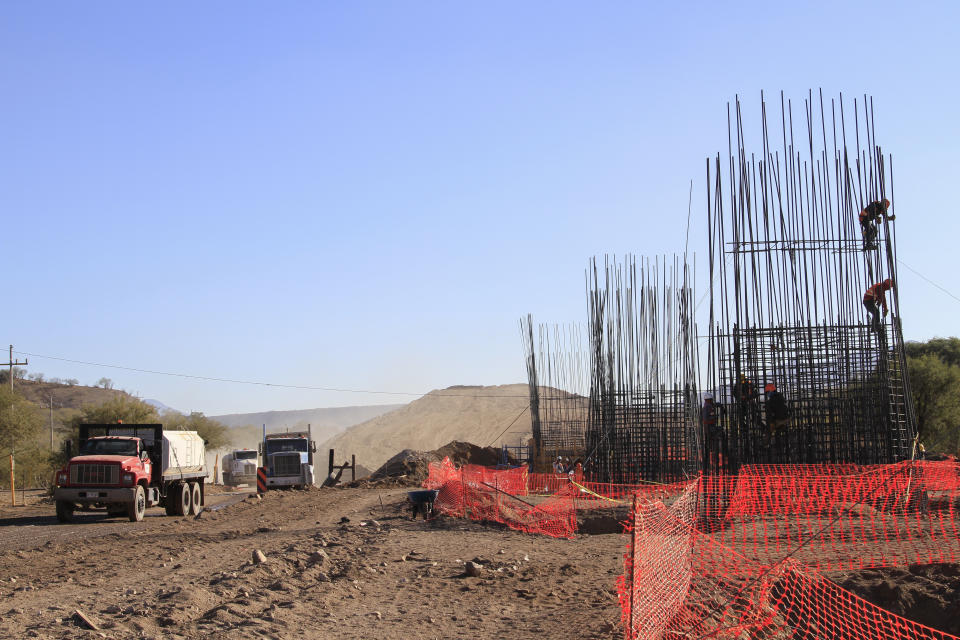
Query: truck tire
(196, 498)
(183, 499)
(227, 479)
(170, 502)
(138, 507)
(64, 511)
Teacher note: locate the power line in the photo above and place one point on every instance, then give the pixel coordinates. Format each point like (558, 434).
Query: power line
(928, 279)
(509, 425)
(259, 383)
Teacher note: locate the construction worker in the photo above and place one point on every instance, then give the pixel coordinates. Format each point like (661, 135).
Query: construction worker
(778, 412)
(869, 217)
(875, 299)
(747, 401)
(558, 465)
(715, 436)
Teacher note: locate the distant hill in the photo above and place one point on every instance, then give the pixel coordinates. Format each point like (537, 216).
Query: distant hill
(324, 423)
(64, 396)
(479, 415)
(159, 406)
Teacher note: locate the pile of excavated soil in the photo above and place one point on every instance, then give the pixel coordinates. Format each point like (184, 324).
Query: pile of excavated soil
(924, 593)
(414, 465)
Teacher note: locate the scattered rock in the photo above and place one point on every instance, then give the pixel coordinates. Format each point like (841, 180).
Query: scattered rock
(318, 557)
(344, 520)
(258, 557)
(474, 569)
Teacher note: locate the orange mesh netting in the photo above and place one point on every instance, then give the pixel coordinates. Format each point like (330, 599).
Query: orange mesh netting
(738, 557)
(480, 493)
(512, 481)
(876, 516)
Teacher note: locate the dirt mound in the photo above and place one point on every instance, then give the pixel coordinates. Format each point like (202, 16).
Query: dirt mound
(477, 414)
(923, 593)
(415, 464)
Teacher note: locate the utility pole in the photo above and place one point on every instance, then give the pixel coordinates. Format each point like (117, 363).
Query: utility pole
(51, 422)
(11, 364)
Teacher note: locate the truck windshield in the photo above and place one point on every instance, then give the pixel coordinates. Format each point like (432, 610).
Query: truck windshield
(109, 448)
(286, 444)
(245, 455)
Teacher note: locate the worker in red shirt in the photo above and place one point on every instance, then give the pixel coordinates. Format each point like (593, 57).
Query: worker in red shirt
(869, 217)
(875, 299)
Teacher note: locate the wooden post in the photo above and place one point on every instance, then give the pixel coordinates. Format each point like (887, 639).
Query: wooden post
(13, 490)
(353, 467)
(216, 468)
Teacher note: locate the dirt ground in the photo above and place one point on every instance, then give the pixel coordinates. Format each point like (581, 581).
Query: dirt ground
(344, 563)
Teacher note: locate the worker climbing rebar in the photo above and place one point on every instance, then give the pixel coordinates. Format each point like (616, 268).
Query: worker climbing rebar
(869, 217)
(875, 299)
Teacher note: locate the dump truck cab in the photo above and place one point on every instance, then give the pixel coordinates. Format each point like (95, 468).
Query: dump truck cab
(240, 467)
(288, 458)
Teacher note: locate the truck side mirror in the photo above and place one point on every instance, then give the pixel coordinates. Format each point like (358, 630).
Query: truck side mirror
(260, 448)
(313, 447)
(144, 455)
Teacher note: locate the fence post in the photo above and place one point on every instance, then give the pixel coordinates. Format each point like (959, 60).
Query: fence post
(13, 490)
(631, 609)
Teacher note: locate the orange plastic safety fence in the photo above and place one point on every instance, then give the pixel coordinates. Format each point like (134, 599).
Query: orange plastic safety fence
(480, 493)
(685, 578)
(512, 481)
(547, 483)
(439, 473)
(876, 516)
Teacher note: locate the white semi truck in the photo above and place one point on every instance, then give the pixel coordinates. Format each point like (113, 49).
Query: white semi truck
(239, 467)
(125, 468)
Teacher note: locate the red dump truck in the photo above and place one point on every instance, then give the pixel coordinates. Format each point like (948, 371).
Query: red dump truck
(125, 468)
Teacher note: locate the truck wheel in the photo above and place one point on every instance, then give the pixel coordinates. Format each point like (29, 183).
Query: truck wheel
(195, 498)
(227, 479)
(137, 508)
(170, 503)
(184, 500)
(64, 511)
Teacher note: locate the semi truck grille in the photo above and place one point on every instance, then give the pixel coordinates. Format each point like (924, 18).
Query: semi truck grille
(249, 469)
(286, 464)
(85, 473)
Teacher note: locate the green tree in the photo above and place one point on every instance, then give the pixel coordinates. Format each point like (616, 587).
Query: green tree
(215, 434)
(947, 349)
(19, 373)
(120, 408)
(21, 426)
(20, 420)
(934, 369)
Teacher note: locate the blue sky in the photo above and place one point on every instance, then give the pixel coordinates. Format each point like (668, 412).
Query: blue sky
(370, 195)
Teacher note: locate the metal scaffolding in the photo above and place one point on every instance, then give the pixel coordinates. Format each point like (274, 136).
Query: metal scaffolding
(558, 374)
(790, 263)
(621, 397)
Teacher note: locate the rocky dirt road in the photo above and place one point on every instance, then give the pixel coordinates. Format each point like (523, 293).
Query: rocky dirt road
(336, 563)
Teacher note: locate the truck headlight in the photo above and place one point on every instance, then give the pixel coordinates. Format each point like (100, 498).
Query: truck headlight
(127, 479)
